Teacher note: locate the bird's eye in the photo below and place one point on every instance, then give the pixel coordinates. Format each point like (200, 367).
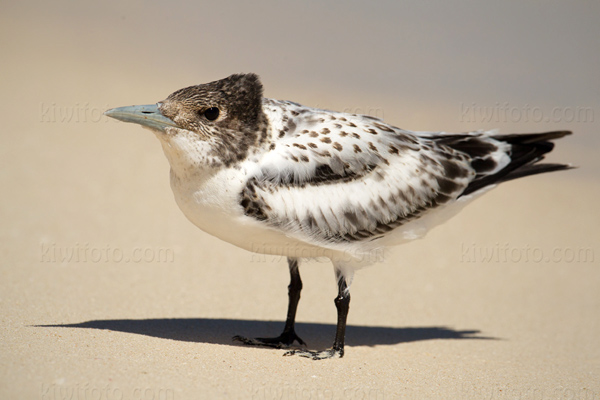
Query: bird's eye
(211, 113)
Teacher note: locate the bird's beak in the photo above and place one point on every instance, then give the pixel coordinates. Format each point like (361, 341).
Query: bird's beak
(147, 115)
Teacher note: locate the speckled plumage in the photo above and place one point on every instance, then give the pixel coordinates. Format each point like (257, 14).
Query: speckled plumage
(280, 178)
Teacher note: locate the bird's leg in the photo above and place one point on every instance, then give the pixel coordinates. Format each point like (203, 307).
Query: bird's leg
(342, 303)
(288, 336)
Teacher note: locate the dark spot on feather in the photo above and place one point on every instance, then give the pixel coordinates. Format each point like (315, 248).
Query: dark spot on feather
(392, 149)
(281, 134)
(313, 134)
(253, 205)
(325, 131)
(291, 126)
(355, 135)
(405, 138)
(303, 158)
(351, 217)
(343, 134)
(272, 146)
(352, 124)
(383, 127)
(324, 173)
(442, 198)
(446, 186)
(482, 165)
(473, 146)
(452, 170)
(357, 148)
(312, 145)
(371, 131)
(310, 222)
(300, 146)
(325, 140)
(337, 146)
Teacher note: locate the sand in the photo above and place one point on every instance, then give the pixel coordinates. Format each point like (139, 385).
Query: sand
(108, 292)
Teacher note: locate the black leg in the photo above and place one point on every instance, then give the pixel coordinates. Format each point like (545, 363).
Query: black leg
(288, 336)
(294, 289)
(342, 303)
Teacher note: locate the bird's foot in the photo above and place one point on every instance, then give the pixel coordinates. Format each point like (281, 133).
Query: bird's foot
(285, 340)
(317, 355)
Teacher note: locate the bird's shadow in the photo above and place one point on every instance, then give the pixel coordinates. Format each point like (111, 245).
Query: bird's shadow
(220, 331)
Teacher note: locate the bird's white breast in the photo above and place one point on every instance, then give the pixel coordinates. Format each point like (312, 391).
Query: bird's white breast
(211, 202)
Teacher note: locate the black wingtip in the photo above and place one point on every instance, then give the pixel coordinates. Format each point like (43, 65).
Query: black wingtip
(535, 169)
(527, 150)
(529, 138)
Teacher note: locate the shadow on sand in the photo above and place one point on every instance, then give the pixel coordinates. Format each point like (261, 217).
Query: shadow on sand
(220, 331)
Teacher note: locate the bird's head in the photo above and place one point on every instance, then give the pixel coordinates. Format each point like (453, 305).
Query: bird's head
(212, 124)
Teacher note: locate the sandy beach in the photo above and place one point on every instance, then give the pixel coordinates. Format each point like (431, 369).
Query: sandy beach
(108, 292)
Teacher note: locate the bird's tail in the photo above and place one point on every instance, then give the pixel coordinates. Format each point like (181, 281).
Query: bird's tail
(489, 155)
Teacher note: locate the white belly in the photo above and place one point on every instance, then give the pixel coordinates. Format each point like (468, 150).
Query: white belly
(212, 205)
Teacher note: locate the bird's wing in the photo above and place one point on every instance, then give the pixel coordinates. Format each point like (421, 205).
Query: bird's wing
(335, 178)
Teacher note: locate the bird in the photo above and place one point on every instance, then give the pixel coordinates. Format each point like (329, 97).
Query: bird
(276, 177)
